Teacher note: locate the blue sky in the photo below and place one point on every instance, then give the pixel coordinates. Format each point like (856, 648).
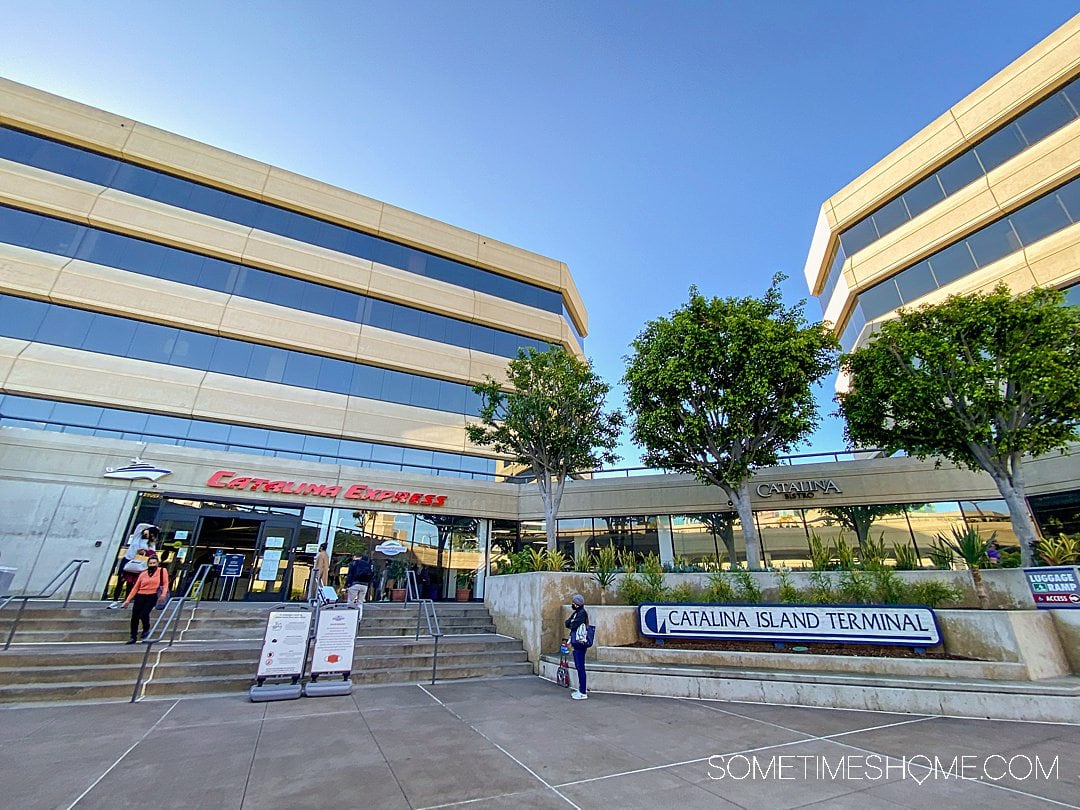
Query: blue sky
(650, 146)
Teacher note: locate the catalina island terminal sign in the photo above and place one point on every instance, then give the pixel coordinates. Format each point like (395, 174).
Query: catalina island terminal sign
(854, 624)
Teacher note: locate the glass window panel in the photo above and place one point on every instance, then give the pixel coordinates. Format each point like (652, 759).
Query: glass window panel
(1072, 91)
(425, 392)
(64, 326)
(321, 445)
(248, 436)
(335, 375)
(128, 421)
(1046, 118)
(21, 317)
(152, 342)
(208, 431)
(999, 147)
(891, 216)
(396, 387)
(316, 298)
(988, 518)
(27, 408)
(367, 381)
(959, 172)
(924, 195)
(858, 236)
(57, 236)
(952, 263)
(1040, 218)
(380, 314)
(483, 339)
(915, 282)
(267, 363)
(301, 370)
(451, 398)
(931, 519)
(255, 284)
(1069, 195)
(406, 321)
(348, 306)
(387, 453)
(193, 350)
(880, 299)
(111, 336)
(284, 440)
(166, 426)
(231, 357)
(358, 451)
(995, 241)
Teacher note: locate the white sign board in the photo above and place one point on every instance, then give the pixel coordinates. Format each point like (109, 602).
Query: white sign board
(391, 547)
(335, 637)
(854, 624)
(270, 562)
(284, 644)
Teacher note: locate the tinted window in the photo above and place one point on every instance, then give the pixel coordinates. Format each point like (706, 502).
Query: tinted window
(915, 282)
(1048, 117)
(993, 242)
(1000, 146)
(858, 236)
(923, 195)
(1070, 198)
(1039, 219)
(952, 263)
(958, 173)
(880, 299)
(891, 216)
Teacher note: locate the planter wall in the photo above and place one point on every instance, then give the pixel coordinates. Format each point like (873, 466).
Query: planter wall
(1046, 643)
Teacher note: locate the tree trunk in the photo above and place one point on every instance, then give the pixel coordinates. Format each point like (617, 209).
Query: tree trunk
(741, 498)
(1020, 516)
(980, 588)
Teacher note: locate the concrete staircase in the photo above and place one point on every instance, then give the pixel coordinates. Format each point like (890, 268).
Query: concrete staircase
(78, 654)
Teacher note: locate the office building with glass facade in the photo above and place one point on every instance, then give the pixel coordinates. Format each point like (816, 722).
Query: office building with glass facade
(988, 193)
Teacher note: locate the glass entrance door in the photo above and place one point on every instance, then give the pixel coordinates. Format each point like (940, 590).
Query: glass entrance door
(271, 575)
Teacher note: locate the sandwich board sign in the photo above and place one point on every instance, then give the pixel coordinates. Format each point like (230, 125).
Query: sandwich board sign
(335, 638)
(284, 644)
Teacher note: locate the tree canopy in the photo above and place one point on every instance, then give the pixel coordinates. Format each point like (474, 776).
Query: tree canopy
(724, 385)
(981, 380)
(553, 421)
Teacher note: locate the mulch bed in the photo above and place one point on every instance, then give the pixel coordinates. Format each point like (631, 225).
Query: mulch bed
(809, 648)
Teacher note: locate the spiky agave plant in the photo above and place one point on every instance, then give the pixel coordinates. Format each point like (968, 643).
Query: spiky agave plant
(970, 546)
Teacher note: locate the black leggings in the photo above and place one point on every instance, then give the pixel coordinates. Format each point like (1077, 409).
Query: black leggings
(141, 607)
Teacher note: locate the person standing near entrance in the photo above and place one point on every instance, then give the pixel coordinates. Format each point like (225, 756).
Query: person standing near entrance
(579, 618)
(152, 585)
(141, 540)
(322, 566)
(357, 580)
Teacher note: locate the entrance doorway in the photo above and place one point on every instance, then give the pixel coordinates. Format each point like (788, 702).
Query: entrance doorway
(195, 532)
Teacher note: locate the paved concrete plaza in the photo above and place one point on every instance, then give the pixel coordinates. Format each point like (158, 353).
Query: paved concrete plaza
(520, 743)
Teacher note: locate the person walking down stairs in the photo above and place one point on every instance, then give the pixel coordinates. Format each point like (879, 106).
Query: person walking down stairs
(151, 587)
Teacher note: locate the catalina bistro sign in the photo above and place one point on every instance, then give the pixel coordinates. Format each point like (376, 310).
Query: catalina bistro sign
(793, 490)
(227, 479)
(854, 624)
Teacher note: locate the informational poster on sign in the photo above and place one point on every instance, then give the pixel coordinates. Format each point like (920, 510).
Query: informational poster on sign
(284, 644)
(1057, 587)
(270, 562)
(335, 637)
(232, 565)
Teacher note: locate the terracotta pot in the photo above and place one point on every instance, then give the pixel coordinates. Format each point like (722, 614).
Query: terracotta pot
(464, 594)
(397, 594)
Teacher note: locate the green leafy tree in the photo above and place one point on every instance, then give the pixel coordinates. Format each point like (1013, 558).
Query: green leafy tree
(982, 380)
(723, 386)
(859, 519)
(553, 421)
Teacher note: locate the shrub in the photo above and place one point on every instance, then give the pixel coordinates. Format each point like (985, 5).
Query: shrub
(941, 556)
(605, 566)
(820, 554)
(933, 593)
(632, 590)
(555, 561)
(855, 588)
(627, 561)
(1060, 550)
(872, 552)
(889, 589)
(537, 559)
(683, 593)
(843, 554)
(746, 589)
(584, 563)
(719, 589)
(821, 590)
(652, 573)
(906, 558)
(787, 591)
(681, 565)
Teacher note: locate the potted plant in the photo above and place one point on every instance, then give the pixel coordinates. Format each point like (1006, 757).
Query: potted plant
(465, 582)
(395, 572)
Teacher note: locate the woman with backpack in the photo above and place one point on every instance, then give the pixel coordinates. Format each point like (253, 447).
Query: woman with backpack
(578, 624)
(151, 587)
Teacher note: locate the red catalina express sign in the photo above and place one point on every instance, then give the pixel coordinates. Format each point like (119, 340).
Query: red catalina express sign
(227, 479)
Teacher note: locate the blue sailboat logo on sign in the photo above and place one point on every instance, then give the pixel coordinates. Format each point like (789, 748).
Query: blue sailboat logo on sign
(650, 622)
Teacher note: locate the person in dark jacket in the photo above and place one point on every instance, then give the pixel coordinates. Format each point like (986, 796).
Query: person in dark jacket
(578, 618)
(357, 580)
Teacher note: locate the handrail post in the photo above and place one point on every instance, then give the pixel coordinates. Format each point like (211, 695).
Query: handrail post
(71, 587)
(434, 660)
(15, 623)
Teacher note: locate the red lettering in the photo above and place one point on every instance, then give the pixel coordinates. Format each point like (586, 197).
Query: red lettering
(428, 500)
(385, 495)
(256, 483)
(312, 489)
(218, 478)
(289, 488)
(238, 483)
(356, 492)
(440, 500)
(415, 498)
(274, 486)
(401, 497)
(331, 492)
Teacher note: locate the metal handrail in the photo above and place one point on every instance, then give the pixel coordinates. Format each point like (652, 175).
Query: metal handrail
(426, 607)
(167, 620)
(71, 569)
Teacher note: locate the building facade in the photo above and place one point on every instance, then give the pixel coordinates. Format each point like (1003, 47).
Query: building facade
(987, 193)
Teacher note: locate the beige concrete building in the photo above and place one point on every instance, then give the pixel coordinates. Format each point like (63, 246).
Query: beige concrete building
(984, 194)
(258, 363)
